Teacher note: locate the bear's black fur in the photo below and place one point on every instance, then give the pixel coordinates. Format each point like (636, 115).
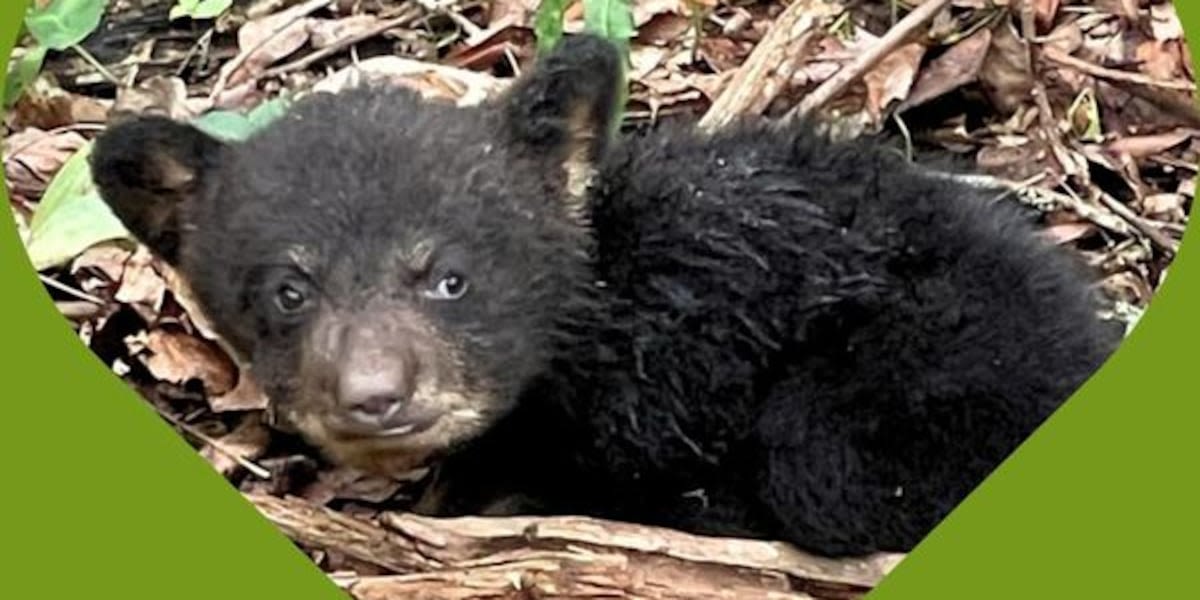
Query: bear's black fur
(755, 332)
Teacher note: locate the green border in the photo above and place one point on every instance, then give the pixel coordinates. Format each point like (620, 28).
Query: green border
(102, 498)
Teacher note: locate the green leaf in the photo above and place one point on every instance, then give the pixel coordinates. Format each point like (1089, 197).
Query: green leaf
(232, 126)
(71, 216)
(612, 19)
(199, 9)
(64, 23)
(548, 24)
(21, 73)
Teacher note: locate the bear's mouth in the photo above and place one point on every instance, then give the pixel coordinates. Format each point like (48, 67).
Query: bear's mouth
(402, 424)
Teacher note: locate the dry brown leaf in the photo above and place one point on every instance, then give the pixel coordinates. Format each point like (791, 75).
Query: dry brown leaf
(161, 95)
(177, 357)
(1067, 38)
(515, 12)
(645, 10)
(327, 32)
(245, 395)
(488, 47)
(1044, 12)
(1164, 22)
(33, 156)
(431, 80)
(142, 287)
(1142, 146)
(1066, 233)
(1014, 163)
(46, 106)
(106, 258)
(348, 484)
(893, 78)
(1006, 74)
(955, 68)
(1165, 206)
(663, 29)
(263, 42)
(1161, 60)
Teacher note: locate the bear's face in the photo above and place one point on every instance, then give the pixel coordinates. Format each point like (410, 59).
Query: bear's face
(393, 270)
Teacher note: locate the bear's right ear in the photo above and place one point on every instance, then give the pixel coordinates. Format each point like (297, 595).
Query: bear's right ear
(146, 168)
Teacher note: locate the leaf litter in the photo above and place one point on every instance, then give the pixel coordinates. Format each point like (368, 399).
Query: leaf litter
(1086, 109)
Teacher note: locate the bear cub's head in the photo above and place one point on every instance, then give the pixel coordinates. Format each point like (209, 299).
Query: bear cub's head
(393, 269)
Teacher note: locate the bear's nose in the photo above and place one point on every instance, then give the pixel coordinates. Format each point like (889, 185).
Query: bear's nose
(375, 393)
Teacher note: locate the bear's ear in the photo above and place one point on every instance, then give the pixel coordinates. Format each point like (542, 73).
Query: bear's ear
(146, 168)
(564, 108)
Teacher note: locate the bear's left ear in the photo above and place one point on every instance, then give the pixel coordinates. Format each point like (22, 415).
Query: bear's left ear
(564, 108)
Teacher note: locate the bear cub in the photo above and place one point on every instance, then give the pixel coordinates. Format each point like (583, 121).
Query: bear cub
(755, 332)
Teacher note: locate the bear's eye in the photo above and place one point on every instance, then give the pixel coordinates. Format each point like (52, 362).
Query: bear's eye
(291, 297)
(451, 286)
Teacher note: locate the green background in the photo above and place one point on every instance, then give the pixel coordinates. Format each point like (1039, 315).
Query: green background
(100, 497)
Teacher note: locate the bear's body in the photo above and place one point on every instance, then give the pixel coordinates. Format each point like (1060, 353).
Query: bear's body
(755, 333)
(795, 338)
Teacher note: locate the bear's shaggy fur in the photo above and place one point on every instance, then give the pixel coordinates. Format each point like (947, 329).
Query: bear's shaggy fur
(756, 332)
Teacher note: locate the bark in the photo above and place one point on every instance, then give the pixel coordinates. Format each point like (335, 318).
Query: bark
(563, 557)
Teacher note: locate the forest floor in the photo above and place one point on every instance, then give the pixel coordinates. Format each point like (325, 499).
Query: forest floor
(1086, 108)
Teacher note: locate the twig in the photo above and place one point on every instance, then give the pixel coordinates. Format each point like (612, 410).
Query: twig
(62, 287)
(866, 61)
(236, 63)
(1094, 70)
(332, 49)
(1156, 236)
(766, 72)
(254, 468)
(96, 64)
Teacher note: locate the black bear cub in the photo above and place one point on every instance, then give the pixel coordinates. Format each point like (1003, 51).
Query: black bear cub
(756, 332)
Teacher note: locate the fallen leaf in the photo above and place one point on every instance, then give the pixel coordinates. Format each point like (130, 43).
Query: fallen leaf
(349, 484)
(516, 12)
(177, 357)
(328, 32)
(433, 81)
(1142, 146)
(1165, 206)
(141, 285)
(1006, 74)
(245, 395)
(1069, 232)
(663, 29)
(955, 68)
(161, 95)
(32, 157)
(892, 79)
(1164, 22)
(1044, 12)
(265, 41)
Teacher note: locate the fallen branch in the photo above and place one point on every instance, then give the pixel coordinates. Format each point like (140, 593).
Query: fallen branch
(767, 70)
(1088, 68)
(567, 557)
(894, 38)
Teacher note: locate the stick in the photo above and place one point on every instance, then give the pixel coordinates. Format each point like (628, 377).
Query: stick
(236, 63)
(1088, 68)
(769, 67)
(332, 49)
(866, 61)
(564, 557)
(1156, 236)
